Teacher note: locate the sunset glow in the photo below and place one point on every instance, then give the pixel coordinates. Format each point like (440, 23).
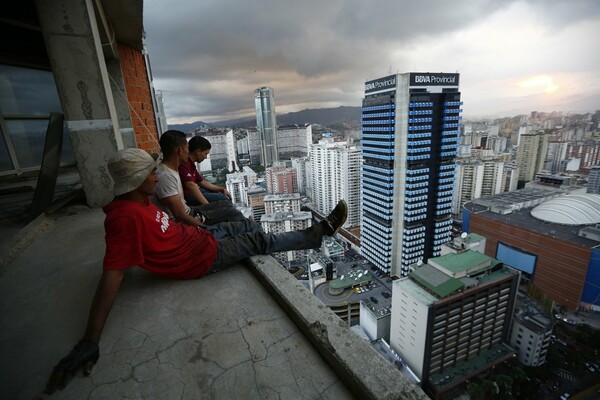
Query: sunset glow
(541, 81)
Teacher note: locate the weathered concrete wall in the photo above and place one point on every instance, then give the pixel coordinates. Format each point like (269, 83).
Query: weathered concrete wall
(358, 365)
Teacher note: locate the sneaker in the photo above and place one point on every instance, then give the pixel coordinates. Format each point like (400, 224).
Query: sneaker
(336, 219)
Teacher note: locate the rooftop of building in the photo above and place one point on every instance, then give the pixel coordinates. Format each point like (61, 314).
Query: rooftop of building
(436, 281)
(373, 285)
(575, 209)
(448, 274)
(286, 216)
(514, 208)
(234, 334)
(415, 291)
(463, 262)
(530, 314)
(283, 196)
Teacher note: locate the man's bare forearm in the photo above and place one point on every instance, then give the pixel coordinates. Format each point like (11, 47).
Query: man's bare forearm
(105, 296)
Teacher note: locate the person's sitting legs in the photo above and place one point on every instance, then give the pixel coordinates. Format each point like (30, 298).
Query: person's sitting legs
(213, 196)
(233, 249)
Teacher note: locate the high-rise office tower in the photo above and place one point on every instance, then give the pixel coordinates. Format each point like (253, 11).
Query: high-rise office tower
(266, 124)
(410, 133)
(335, 176)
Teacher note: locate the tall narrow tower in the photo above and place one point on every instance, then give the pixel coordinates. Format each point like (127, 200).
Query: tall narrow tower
(410, 128)
(266, 124)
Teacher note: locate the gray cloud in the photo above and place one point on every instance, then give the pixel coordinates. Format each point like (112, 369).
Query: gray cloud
(210, 55)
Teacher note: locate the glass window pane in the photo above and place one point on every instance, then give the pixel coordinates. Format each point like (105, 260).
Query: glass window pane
(5, 163)
(28, 138)
(25, 91)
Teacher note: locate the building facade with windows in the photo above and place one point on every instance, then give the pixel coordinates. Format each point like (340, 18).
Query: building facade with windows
(264, 101)
(451, 319)
(410, 137)
(294, 140)
(531, 155)
(281, 180)
(336, 175)
(287, 222)
(282, 203)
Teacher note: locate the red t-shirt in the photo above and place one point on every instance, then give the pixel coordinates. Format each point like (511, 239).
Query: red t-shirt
(189, 173)
(142, 234)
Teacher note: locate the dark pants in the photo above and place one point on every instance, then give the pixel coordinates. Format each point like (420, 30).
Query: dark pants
(217, 212)
(211, 197)
(237, 242)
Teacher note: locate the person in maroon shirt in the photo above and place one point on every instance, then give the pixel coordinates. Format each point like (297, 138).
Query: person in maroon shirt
(196, 189)
(139, 233)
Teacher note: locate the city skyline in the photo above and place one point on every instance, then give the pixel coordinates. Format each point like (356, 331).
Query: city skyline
(513, 57)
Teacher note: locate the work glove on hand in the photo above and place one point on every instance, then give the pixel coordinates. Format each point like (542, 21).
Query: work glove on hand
(84, 354)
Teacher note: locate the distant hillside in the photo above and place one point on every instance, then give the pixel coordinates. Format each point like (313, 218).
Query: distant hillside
(188, 127)
(322, 116)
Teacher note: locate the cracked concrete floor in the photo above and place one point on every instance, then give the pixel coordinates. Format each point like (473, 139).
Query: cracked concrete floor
(220, 337)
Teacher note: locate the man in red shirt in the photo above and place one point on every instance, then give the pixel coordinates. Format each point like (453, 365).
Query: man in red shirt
(139, 233)
(196, 189)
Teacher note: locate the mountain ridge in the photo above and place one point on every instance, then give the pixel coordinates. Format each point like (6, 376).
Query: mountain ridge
(321, 116)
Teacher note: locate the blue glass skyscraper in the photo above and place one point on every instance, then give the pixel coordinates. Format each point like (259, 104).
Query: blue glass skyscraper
(410, 132)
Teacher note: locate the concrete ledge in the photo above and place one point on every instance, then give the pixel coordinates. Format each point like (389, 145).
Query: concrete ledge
(11, 249)
(358, 365)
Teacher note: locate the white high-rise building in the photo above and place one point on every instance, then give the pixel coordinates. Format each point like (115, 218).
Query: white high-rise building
(336, 175)
(287, 222)
(510, 177)
(231, 149)
(469, 179)
(492, 177)
(476, 178)
(282, 203)
(294, 141)
(410, 133)
(593, 185)
(301, 165)
(236, 185)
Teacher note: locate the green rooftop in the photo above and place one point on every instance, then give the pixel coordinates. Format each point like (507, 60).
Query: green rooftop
(436, 281)
(464, 262)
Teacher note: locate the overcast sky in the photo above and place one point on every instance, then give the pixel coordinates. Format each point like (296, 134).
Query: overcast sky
(513, 57)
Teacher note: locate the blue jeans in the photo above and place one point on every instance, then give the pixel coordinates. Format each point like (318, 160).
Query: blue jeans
(238, 241)
(210, 196)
